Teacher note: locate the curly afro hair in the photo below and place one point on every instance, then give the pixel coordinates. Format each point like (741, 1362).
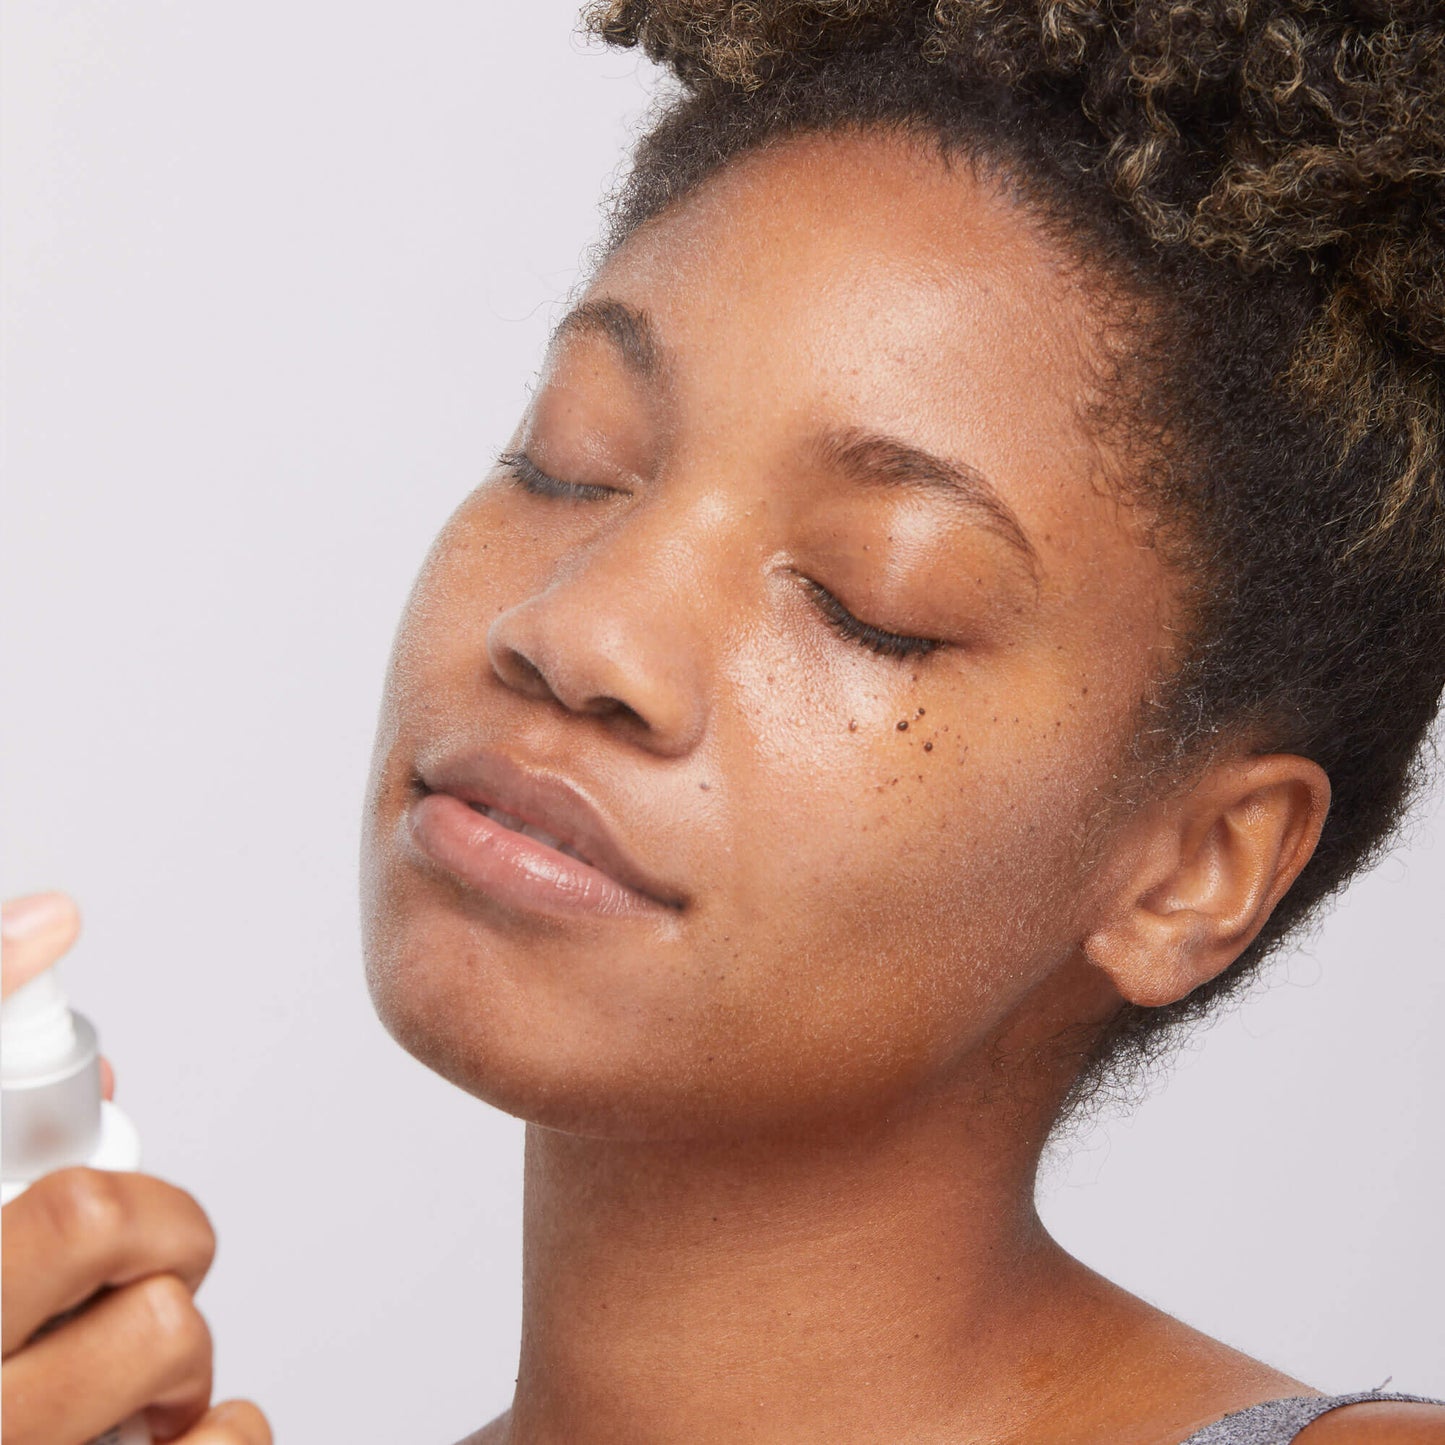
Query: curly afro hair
(1263, 183)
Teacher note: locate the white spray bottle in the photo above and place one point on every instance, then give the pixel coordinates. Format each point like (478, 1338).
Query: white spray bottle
(52, 1114)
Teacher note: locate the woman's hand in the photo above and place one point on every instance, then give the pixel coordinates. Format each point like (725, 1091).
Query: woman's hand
(133, 1246)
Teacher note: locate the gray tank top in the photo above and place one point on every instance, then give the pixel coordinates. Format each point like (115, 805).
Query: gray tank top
(1277, 1422)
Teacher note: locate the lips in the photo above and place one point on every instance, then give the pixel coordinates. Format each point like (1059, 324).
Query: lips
(530, 830)
(529, 838)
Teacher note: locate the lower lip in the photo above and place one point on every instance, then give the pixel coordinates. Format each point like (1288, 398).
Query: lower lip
(512, 868)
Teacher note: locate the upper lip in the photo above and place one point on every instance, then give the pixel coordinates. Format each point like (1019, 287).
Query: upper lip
(550, 802)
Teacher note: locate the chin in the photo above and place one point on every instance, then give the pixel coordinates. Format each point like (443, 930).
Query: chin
(515, 1024)
(613, 1067)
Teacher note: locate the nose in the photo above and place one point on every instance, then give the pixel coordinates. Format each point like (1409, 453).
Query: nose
(616, 632)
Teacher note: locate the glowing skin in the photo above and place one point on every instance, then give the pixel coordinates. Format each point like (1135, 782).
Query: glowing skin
(785, 1125)
(862, 909)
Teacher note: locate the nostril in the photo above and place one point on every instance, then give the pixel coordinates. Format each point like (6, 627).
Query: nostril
(521, 673)
(524, 674)
(615, 707)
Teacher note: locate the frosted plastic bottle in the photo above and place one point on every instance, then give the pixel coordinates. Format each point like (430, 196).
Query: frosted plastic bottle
(51, 1111)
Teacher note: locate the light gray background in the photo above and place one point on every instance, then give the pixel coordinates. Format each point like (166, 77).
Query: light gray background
(276, 278)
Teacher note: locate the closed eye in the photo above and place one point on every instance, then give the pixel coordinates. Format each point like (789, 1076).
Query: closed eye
(531, 478)
(854, 629)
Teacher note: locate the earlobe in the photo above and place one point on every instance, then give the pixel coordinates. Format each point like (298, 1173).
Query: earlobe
(1203, 871)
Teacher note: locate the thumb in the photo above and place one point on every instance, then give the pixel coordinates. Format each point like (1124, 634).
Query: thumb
(233, 1422)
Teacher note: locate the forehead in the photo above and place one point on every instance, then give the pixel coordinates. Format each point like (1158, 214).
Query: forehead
(861, 275)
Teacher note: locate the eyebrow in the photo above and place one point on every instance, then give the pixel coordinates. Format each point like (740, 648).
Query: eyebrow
(867, 457)
(631, 331)
(875, 459)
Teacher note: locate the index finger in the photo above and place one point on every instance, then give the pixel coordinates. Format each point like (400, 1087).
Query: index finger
(76, 1230)
(34, 931)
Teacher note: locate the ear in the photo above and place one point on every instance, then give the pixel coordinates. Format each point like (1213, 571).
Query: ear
(1197, 875)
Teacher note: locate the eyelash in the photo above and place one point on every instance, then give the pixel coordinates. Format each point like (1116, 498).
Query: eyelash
(531, 478)
(875, 639)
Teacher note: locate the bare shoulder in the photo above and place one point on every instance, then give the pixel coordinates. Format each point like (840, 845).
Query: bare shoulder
(1203, 1378)
(1213, 1379)
(494, 1433)
(1152, 1378)
(1382, 1422)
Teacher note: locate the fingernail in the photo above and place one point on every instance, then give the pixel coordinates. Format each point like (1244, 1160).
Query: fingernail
(24, 917)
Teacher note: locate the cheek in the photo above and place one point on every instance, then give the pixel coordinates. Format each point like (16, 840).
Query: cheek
(889, 897)
(447, 611)
(480, 559)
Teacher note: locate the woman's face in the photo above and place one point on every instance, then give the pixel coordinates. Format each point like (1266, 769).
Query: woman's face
(837, 382)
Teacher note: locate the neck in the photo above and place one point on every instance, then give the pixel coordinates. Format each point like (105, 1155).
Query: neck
(872, 1282)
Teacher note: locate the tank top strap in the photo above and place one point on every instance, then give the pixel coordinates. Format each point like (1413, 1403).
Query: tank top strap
(1277, 1422)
